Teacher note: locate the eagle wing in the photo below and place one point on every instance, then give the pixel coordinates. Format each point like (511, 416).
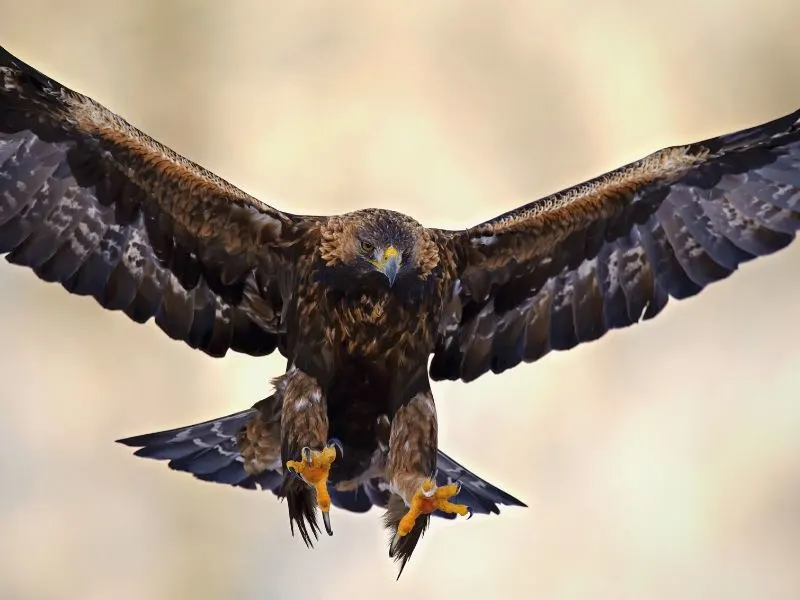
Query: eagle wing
(91, 202)
(607, 253)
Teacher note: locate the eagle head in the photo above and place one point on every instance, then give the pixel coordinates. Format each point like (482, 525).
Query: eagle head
(377, 248)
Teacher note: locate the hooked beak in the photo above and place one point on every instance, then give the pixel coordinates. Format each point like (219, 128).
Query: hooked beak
(389, 264)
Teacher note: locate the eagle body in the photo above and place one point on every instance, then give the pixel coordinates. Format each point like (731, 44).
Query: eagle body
(342, 333)
(342, 321)
(370, 306)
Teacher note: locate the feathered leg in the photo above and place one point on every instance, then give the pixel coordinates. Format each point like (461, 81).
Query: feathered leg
(305, 451)
(412, 477)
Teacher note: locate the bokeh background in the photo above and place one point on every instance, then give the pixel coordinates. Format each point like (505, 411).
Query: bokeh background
(662, 461)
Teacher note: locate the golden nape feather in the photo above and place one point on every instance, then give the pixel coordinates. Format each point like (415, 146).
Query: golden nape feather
(359, 303)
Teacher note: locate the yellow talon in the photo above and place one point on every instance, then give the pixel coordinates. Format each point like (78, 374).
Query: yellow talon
(427, 499)
(314, 469)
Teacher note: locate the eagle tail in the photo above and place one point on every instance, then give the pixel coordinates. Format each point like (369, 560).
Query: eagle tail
(210, 452)
(481, 496)
(207, 450)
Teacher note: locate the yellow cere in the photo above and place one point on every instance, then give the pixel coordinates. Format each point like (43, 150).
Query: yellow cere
(390, 252)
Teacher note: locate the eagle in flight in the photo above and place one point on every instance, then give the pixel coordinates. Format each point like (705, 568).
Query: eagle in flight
(358, 303)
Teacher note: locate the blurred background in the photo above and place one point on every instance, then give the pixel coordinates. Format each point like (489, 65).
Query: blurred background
(662, 461)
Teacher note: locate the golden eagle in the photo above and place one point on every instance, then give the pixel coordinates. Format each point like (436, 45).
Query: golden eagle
(358, 303)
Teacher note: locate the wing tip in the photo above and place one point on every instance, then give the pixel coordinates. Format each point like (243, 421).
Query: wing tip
(135, 441)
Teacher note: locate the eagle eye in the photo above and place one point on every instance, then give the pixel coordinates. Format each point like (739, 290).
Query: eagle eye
(366, 247)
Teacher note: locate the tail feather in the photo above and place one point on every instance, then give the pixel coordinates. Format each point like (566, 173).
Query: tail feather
(214, 430)
(480, 495)
(208, 460)
(210, 452)
(207, 450)
(234, 474)
(174, 451)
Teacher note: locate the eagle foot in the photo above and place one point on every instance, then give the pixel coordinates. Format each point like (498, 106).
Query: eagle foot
(314, 468)
(427, 499)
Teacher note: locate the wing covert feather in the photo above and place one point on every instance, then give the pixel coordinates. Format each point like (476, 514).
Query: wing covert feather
(91, 202)
(605, 254)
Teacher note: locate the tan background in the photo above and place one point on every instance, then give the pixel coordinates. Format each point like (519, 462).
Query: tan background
(660, 462)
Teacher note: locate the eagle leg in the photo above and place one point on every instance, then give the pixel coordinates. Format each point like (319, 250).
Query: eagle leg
(314, 468)
(306, 456)
(411, 460)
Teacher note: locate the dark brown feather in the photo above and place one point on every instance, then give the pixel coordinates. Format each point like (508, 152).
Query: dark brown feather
(91, 202)
(567, 268)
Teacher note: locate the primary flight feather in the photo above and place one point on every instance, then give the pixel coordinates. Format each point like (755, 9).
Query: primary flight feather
(358, 303)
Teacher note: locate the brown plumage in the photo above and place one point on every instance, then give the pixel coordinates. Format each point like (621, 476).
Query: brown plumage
(358, 303)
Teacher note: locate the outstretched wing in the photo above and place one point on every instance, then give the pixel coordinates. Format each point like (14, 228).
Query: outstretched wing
(604, 254)
(91, 202)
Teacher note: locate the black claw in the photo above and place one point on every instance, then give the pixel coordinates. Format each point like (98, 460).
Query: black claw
(326, 519)
(469, 513)
(336, 443)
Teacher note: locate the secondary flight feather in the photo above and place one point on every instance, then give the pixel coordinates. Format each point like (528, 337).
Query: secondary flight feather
(358, 303)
